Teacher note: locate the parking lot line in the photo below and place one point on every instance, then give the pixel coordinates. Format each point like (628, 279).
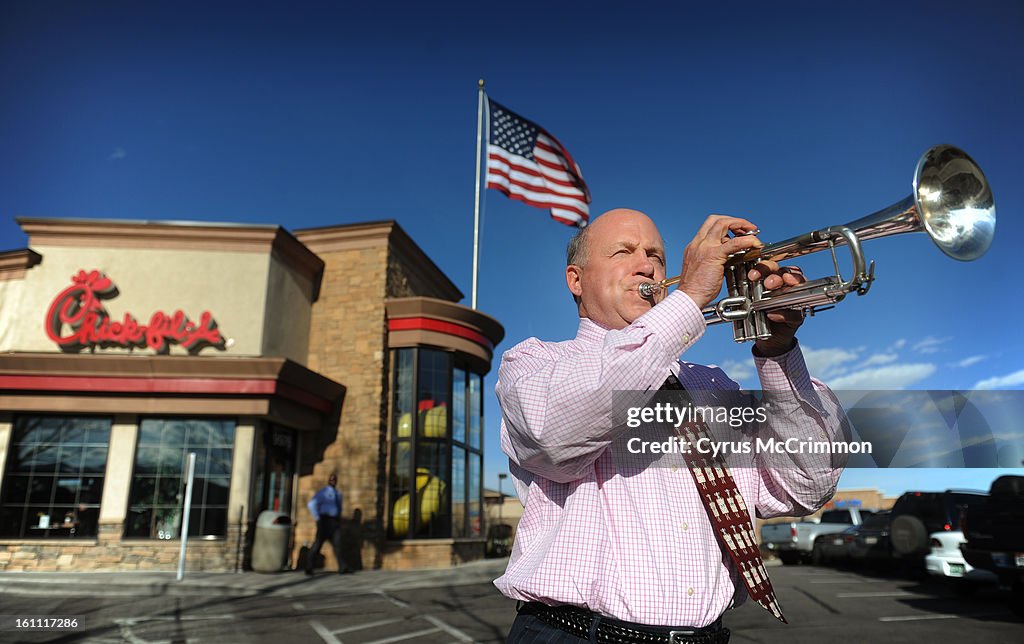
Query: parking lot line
(915, 618)
(360, 627)
(344, 603)
(898, 593)
(848, 581)
(393, 600)
(447, 628)
(324, 634)
(406, 636)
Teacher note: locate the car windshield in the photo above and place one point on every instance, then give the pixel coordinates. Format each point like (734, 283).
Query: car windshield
(956, 502)
(836, 516)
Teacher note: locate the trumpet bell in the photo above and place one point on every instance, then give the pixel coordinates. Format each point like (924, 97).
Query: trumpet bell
(954, 202)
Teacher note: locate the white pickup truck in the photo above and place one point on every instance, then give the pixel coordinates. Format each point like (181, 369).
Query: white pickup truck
(793, 542)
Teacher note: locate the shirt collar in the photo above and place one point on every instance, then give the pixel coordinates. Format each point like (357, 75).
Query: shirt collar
(590, 332)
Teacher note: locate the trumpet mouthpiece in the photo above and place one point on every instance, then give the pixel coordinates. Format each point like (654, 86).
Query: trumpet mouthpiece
(648, 289)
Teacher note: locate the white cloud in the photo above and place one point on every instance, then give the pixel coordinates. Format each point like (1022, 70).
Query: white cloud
(823, 363)
(930, 344)
(880, 358)
(1000, 382)
(889, 377)
(899, 344)
(967, 362)
(118, 153)
(738, 371)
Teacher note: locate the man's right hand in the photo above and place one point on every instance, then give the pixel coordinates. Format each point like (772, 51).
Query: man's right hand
(704, 258)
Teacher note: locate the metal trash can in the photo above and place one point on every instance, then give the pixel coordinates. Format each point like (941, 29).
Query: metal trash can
(270, 545)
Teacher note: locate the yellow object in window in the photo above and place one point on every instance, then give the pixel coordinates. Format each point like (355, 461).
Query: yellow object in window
(405, 425)
(431, 491)
(434, 422)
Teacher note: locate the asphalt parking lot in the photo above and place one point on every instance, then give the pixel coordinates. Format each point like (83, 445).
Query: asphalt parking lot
(826, 604)
(822, 604)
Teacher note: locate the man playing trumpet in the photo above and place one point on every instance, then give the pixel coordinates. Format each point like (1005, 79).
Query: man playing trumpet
(607, 555)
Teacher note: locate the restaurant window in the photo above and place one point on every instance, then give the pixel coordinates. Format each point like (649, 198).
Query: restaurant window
(54, 477)
(155, 502)
(436, 458)
(275, 469)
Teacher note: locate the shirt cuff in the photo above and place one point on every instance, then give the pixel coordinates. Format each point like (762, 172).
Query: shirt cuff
(677, 321)
(784, 371)
(788, 372)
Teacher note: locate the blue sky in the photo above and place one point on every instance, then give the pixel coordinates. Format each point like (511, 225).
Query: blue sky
(796, 115)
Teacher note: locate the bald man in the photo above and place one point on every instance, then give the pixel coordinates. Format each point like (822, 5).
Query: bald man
(604, 554)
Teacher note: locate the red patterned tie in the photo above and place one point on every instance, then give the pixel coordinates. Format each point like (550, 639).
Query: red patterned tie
(728, 514)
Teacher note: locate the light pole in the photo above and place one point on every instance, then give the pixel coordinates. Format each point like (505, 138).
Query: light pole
(501, 495)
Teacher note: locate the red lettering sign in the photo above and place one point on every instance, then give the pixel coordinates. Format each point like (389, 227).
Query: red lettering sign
(76, 320)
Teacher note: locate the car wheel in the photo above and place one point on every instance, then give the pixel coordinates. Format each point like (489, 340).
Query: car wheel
(817, 556)
(908, 535)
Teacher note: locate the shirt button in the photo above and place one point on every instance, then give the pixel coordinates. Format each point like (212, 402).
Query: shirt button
(686, 526)
(689, 592)
(686, 338)
(675, 469)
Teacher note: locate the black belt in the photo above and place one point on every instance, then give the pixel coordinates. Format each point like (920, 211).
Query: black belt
(580, 621)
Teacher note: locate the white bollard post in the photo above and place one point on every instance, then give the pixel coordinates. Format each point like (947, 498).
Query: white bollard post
(189, 478)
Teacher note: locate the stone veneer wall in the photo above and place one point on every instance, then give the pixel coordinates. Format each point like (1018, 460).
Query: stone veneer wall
(407, 279)
(430, 553)
(348, 343)
(347, 339)
(108, 553)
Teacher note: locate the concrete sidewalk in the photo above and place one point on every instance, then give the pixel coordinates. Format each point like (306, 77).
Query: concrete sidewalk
(246, 584)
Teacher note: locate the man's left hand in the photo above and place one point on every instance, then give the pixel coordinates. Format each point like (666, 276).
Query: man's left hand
(785, 322)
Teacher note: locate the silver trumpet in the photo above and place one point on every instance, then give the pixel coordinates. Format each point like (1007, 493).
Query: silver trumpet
(951, 201)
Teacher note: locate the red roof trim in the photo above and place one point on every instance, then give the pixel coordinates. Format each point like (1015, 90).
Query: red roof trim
(136, 385)
(447, 328)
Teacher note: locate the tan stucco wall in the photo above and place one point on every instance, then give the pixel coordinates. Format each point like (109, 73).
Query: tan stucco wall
(288, 312)
(231, 285)
(11, 294)
(241, 470)
(120, 464)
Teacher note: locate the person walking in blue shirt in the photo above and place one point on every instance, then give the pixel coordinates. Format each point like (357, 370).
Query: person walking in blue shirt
(325, 506)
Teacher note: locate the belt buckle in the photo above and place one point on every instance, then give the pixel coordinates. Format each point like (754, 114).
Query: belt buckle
(673, 634)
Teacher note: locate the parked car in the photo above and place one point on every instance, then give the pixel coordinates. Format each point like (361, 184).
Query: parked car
(994, 533)
(870, 543)
(499, 540)
(833, 548)
(947, 561)
(794, 542)
(919, 519)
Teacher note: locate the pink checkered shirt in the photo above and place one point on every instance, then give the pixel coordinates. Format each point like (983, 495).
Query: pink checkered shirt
(640, 547)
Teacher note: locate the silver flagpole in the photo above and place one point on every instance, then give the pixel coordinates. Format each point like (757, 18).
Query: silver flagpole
(476, 204)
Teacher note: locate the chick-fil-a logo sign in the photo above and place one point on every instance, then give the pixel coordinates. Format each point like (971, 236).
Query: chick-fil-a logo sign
(76, 320)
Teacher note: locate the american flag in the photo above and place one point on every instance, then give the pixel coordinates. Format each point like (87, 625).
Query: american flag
(526, 163)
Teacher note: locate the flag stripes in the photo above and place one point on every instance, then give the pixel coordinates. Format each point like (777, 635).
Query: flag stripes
(526, 163)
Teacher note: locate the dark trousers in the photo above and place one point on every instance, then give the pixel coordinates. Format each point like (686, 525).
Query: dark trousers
(527, 629)
(327, 529)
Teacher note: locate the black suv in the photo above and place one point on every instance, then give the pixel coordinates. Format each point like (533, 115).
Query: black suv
(995, 536)
(917, 515)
